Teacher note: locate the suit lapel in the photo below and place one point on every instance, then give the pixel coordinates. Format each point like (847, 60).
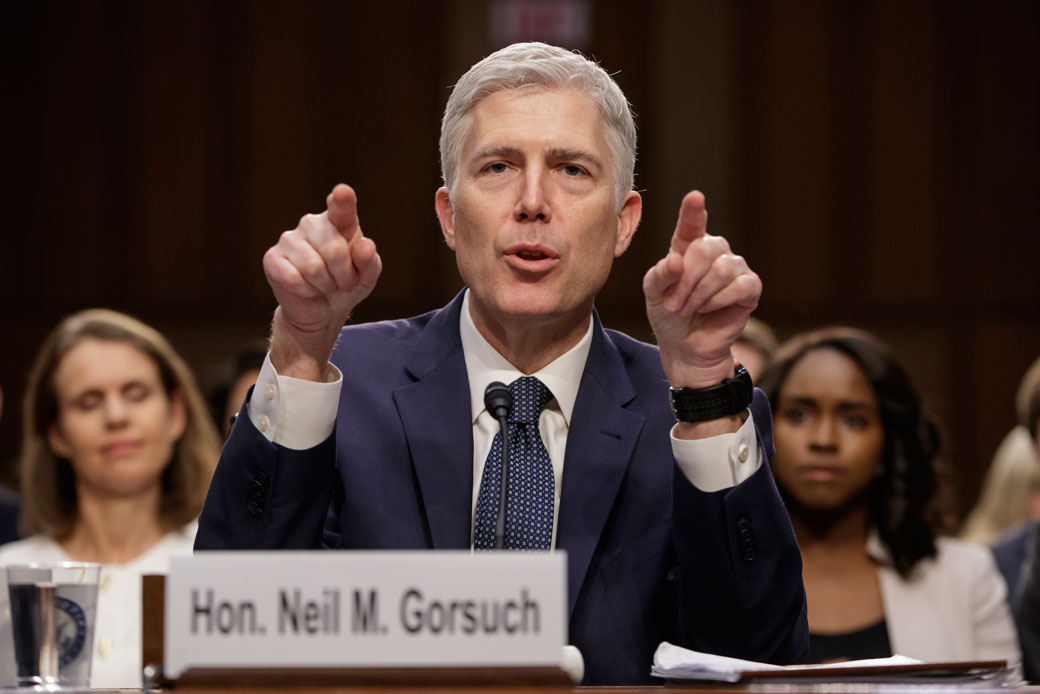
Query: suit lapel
(600, 442)
(435, 409)
(438, 425)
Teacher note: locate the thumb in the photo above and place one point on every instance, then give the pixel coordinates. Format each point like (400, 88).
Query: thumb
(366, 259)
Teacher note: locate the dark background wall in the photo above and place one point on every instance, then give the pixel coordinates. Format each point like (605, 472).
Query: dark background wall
(875, 162)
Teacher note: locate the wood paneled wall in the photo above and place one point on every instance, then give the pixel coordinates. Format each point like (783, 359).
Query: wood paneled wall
(876, 162)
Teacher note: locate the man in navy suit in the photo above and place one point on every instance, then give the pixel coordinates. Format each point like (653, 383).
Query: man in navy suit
(674, 529)
(1018, 553)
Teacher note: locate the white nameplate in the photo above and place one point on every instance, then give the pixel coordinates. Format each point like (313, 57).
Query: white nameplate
(365, 609)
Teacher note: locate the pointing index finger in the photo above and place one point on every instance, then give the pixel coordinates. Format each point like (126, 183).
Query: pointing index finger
(342, 210)
(693, 221)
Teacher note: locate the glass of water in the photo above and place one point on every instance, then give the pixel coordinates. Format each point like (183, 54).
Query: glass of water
(53, 611)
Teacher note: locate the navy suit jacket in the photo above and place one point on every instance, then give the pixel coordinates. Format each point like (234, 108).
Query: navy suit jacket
(650, 557)
(1018, 559)
(1010, 552)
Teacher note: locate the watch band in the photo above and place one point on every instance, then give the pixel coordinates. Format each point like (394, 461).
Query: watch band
(732, 396)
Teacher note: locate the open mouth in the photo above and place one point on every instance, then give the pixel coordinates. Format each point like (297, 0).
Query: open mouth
(532, 254)
(525, 254)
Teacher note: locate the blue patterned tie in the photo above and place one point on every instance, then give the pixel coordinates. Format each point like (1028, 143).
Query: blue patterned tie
(529, 498)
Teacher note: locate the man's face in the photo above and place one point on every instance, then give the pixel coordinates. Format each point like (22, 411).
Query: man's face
(534, 222)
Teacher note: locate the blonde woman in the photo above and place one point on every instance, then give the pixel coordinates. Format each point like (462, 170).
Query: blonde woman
(1010, 492)
(117, 452)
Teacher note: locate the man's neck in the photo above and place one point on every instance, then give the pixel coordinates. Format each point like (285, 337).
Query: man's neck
(531, 342)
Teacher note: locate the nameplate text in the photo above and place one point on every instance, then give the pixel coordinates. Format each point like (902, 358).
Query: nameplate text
(364, 609)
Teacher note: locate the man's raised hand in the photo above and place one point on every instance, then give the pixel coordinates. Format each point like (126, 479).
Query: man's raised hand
(319, 272)
(698, 298)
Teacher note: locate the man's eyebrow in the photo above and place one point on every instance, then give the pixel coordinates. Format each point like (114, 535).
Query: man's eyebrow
(554, 153)
(497, 151)
(568, 154)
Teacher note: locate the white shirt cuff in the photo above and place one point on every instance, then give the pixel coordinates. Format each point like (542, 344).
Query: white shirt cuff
(719, 462)
(292, 412)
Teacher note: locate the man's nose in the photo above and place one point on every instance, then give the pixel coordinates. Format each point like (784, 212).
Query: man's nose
(533, 202)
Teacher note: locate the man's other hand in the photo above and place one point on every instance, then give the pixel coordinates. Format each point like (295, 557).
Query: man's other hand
(698, 298)
(319, 272)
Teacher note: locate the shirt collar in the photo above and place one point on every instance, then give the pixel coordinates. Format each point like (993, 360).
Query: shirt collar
(484, 364)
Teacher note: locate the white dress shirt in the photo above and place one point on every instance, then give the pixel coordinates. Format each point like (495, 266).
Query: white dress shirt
(300, 414)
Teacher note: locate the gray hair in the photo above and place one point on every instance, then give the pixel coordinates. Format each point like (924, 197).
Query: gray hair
(540, 65)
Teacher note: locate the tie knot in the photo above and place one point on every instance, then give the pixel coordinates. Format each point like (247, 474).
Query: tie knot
(529, 397)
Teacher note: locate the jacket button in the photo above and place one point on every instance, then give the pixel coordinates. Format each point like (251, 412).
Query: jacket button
(743, 523)
(254, 508)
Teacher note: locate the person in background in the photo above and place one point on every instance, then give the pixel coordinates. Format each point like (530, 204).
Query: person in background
(234, 380)
(8, 504)
(1010, 492)
(117, 452)
(1018, 553)
(854, 460)
(754, 346)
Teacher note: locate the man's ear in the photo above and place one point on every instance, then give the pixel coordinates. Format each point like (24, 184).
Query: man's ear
(56, 440)
(628, 219)
(446, 215)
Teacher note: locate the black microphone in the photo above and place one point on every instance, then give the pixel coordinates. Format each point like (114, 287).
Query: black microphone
(499, 401)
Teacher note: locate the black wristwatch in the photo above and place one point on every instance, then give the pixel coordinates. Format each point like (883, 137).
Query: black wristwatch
(732, 396)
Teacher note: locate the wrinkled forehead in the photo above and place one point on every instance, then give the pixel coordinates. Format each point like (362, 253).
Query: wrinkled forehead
(560, 117)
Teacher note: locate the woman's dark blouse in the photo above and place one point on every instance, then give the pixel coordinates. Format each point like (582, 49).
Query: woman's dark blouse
(869, 642)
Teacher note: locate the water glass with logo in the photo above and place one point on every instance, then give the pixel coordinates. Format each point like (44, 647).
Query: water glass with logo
(53, 610)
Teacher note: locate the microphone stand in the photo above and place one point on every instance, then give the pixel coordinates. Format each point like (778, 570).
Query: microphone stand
(499, 401)
(500, 523)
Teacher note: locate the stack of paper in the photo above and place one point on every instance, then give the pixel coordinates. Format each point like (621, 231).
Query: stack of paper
(675, 663)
